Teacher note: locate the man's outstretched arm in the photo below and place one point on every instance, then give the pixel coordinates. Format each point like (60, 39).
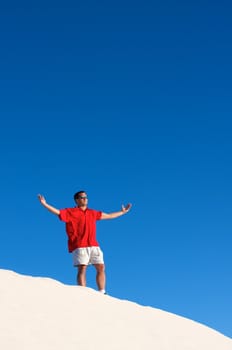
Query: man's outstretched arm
(48, 206)
(123, 211)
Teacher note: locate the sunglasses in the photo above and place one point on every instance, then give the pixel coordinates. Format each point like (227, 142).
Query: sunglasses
(82, 197)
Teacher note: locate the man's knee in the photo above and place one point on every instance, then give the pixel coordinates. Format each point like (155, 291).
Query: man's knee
(100, 267)
(82, 269)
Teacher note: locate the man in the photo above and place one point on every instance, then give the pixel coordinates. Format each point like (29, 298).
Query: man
(81, 230)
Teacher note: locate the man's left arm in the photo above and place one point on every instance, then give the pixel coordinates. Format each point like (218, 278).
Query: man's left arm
(123, 211)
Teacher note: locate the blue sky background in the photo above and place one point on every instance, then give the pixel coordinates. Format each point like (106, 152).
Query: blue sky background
(130, 101)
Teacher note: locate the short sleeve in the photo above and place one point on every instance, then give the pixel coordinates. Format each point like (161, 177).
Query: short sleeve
(98, 215)
(64, 215)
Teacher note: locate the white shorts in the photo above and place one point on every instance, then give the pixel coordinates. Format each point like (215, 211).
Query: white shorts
(87, 256)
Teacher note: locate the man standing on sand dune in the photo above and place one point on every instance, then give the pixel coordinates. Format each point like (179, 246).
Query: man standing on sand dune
(81, 230)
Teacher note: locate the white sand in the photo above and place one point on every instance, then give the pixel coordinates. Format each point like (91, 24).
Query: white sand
(43, 314)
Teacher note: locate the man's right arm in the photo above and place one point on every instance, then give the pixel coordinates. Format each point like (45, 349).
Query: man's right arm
(48, 206)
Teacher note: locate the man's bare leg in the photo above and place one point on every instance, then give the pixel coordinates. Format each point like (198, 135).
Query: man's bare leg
(100, 277)
(81, 275)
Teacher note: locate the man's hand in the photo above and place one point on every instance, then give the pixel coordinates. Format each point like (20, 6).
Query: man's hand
(48, 206)
(126, 208)
(41, 199)
(123, 211)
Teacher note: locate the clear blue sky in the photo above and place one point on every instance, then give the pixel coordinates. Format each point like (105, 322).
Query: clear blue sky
(130, 101)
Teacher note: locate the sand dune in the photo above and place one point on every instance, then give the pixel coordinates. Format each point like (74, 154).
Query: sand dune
(44, 314)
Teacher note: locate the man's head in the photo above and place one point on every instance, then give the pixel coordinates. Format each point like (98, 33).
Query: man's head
(81, 198)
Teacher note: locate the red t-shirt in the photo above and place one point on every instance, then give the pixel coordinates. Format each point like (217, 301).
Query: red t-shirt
(80, 227)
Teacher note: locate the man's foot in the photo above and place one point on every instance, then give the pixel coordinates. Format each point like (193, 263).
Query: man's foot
(102, 291)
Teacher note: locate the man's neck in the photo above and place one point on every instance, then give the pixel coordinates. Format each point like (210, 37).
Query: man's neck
(83, 207)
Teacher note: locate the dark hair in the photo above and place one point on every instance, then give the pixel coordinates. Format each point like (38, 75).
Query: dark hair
(76, 195)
